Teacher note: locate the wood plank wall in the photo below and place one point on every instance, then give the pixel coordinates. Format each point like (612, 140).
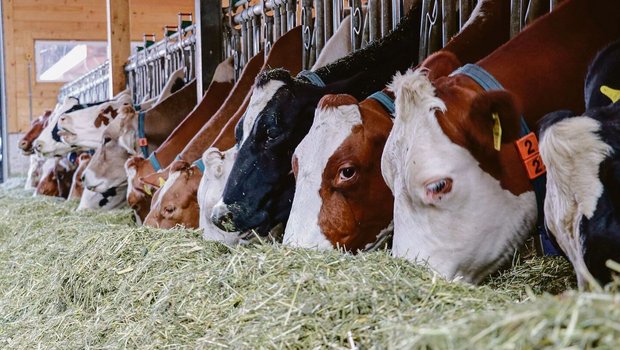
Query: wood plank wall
(28, 20)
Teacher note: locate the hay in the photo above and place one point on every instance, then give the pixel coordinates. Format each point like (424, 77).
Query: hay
(94, 280)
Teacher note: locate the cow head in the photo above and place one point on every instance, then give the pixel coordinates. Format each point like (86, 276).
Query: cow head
(106, 168)
(582, 205)
(48, 143)
(56, 177)
(217, 168)
(34, 171)
(260, 188)
(175, 203)
(77, 186)
(112, 199)
(139, 194)
(36, 127)
(340, 197)
(460, 205)
(83, 128)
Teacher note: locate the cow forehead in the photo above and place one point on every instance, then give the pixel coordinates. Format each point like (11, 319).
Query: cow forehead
(330, 127)
(261, 95)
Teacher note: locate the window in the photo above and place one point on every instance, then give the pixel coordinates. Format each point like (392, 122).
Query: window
(64, 61)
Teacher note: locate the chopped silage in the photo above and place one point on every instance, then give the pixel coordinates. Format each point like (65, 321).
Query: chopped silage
(94, 280)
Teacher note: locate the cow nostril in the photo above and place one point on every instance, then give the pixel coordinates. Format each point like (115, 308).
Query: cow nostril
(23, 144)
(223, 218)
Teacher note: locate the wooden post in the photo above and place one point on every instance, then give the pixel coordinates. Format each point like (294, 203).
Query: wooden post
(208, 41)
(119, 43)
(4, 121)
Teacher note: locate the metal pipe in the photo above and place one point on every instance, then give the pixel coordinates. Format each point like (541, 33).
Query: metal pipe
(386, 17)
(465, 9)
(535, 9)
(256, 26)
(424, 29)
(268, 32)
(306, 22)
(291, 14)
(448, 12)
(374, 20)
(321, 29)
(435, 42)
(357, 21)
(277, 22)
(515, 17)
(337, 15)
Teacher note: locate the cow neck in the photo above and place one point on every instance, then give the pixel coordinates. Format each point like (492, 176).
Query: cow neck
(380, 59)
(488, 82)
(550, 57)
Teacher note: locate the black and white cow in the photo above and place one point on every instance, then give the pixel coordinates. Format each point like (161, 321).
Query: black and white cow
(581, 152)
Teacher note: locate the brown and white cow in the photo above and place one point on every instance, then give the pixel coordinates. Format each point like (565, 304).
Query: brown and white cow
(77, 187)
(56, 177)
(341, 198)
(36, 127)
(462, 205)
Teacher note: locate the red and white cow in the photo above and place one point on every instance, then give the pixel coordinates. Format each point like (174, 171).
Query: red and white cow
(341, 199)
(463, 198)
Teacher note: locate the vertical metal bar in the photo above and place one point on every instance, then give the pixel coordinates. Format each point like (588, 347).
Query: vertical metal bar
(328, 23)
(307, 30)
(535, 9)
(386, 17)
(268, 31)
(374, 21)
(208, 41)
(291, 14)
(553, 4)
(357, 21)
(277, 22)
(256, 25)
(448, 12)
(337, 13)
(424, 29)
(435, 42)
(515, 17)
(321, 20)
(245, 55)
(396, 13)
(465, 8)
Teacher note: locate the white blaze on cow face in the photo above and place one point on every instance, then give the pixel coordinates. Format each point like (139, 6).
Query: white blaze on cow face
(84, 128)
(217, 168)
(447, 210)
(572, 152)
(330, 128)
(45, 145)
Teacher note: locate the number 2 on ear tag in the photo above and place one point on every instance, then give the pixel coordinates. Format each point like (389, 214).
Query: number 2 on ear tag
(497, 132)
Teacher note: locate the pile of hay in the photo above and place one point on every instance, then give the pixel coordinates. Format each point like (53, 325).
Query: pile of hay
(94, 280)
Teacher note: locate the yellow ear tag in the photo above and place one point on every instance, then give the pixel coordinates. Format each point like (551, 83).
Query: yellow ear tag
(147, 190)
(613, 94)
(161, 182)
(497, 132)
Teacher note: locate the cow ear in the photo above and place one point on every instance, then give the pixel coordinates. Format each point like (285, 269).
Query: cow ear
(441, 64)
(495, 116)
(128, 141)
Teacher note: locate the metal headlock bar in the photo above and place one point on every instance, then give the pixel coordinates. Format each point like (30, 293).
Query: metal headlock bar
(251, 26)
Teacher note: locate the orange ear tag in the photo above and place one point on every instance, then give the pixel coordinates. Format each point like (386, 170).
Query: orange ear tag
(528, 151)
(142, 142)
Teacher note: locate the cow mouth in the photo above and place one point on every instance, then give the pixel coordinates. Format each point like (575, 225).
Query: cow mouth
(275, 234)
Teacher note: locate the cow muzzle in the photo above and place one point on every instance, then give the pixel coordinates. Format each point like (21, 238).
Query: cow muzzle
(222, 217)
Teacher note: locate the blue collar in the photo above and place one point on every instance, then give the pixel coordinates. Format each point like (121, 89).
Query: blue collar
(200, 165)
(312, 77)
(488, 82)
(154, 162)
(385, 100)
(142, 141)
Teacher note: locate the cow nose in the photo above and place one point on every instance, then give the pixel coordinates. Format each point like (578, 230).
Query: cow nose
(223, 218)
(22, 144)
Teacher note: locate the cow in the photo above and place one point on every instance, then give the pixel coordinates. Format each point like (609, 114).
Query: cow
(581, 154)
(260, 188)
(48, 143)
(341, 199)
(214, 135)
(35, 170)
(206, 116)
(56, 176)
(77, 186)
(36, 127)
(463, 197)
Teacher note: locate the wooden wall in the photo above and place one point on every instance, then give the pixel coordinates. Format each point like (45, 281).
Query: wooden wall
(28, 20)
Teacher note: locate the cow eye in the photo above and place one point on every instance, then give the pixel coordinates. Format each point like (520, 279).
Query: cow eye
(106, 139)
(437, 189)
(347, 173)
(272, 133)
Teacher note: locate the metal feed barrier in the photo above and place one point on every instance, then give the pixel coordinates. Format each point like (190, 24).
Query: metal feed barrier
(149, 68)
(249, 27)
(89, 88)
